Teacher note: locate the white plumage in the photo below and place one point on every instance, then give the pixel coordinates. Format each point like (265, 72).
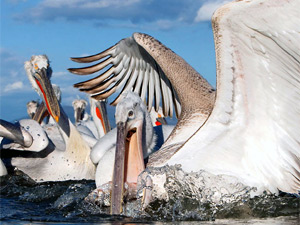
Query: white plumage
(253, 131)
(59, 161)
(253, 125)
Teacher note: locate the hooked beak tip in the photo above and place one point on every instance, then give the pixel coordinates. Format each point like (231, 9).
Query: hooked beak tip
(56, 119)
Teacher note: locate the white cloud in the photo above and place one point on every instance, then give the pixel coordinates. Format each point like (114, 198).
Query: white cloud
(9, 57)
(62, 77)
(12, 72)
(163, 14)
(87, 3)
(154, 14)
(70, 93)
(60, 74)
(59, 3)
(108, 3)
(164, 24)
(16, 1)
(70, 90)
(206, 11)
(14, 86)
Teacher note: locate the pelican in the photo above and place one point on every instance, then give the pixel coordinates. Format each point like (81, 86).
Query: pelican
(57, 92)
(135, 135)
(82, 119)
(100, 124)
(91, 130)
(3, 170)
(249, 128)
(25, 135)
(83, 123)
(32, 107)
(161, 127)
(100, 117)
(41, 112)
(63, 161)
(79, 106)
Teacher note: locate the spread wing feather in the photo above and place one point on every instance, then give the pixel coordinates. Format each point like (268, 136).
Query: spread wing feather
(254, 128)
(128, 67)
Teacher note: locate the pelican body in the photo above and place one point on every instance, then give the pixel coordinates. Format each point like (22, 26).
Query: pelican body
(249, 128)
(91, 130)
(25, 135)
(65, 161)
(132, 118)
(120, 155)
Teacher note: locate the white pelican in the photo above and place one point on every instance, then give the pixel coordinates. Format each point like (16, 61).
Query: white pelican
(100, 124)
(41, 114)
(91, 130)
(79, 106)
(157, 117)
(25, 135)
(100, 117)
(253, 131)
(135, 135)
(68, 161)
(161, 127)
(32, 107)
(82, 120)
(57, 92)
(3, 170)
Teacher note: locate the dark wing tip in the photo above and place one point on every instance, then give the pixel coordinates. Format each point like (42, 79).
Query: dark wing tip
(77, 59)
(73, 70)
(76, 85)
(80, 71)
(93, 58)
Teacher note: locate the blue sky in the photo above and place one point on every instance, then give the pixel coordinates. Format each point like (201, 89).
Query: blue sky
(71, 28)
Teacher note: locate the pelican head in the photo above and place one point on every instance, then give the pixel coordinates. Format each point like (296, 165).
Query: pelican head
(135, 140)
(32, 107)
(57, 92)
(39, 73)
(79, 106)
(132, 113)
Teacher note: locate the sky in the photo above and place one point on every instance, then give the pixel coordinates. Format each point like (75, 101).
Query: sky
(71, 28)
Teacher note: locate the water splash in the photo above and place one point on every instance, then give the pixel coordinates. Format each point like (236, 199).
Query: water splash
(177, 195)
(181, 197)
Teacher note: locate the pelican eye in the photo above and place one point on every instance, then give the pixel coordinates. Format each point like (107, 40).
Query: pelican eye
(130, 113)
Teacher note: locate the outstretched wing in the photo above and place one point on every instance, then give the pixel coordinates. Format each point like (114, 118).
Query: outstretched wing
(128, 67)
(254, 128)
(263, 40)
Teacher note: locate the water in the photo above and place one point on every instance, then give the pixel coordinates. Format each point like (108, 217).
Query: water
(177, 195)
(23, 201)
